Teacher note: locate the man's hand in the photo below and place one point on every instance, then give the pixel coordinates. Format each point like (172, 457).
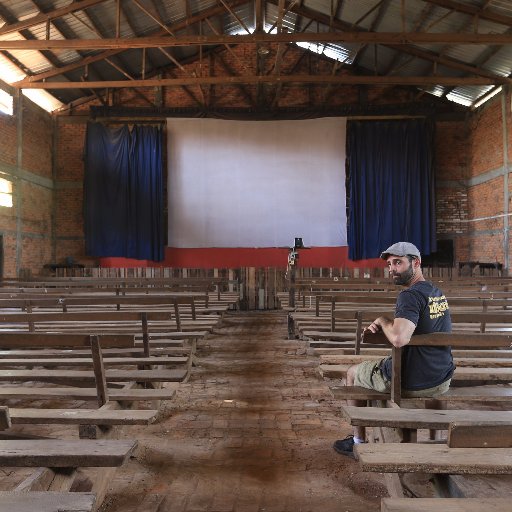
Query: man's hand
(398, 330)
(373, 327)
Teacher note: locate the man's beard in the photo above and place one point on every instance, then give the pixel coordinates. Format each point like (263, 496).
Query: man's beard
(404, 278)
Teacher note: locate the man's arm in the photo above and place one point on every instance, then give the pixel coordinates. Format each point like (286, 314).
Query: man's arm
(397, 330)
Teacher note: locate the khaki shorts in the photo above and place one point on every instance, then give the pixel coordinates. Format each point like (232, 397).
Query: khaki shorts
(369, 376)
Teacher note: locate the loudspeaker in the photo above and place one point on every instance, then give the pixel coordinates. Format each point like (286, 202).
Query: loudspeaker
(443, 256)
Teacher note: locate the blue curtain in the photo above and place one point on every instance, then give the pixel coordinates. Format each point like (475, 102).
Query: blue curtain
(123, 192)
(391, 184)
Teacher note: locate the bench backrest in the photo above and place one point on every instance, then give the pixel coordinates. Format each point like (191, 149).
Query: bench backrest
(465, 434)
(473, 340)
(31, 340)
(55, 340)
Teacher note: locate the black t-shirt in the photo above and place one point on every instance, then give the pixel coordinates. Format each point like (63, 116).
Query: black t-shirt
(423, 366)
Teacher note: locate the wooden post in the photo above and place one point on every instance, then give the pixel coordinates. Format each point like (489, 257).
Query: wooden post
(396, 379)
(359, 332)
(177, 315)
(291, 293)
(99, 371)
(145, 333)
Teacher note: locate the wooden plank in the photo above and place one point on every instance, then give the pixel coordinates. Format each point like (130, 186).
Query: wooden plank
(433, 458)
(488, 362)
(57, 340)
(87, 377)
(83, 361)
(48, 479)
(482, 340)
(358, 393)
(47, 501)
(5, 420)
(472, 393)
(102, 416)
(99, 371)
(489, 433)
(71, 393)
(59, 453)
(462, 374)
(421, 418)
(445, 505)
(109, 353)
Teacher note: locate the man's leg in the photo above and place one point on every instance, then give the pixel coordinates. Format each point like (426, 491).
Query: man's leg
(359, 432)
(346, 446)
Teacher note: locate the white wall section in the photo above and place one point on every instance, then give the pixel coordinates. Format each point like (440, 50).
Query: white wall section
(256, 183)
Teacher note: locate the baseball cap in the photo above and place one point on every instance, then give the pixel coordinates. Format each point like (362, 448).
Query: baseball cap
(401, 249)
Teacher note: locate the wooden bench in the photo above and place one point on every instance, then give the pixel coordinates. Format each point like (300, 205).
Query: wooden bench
(135, 322)
(97, 377)
(445, 505)
(49, 501)
(433, 458)
(411, 420)
(123, 283)
(468, 430)
(63, 457)
(57, 462)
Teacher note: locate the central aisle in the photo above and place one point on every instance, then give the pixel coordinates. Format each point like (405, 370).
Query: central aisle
(252, 430)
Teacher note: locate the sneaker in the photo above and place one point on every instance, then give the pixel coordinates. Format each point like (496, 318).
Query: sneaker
(345, 446)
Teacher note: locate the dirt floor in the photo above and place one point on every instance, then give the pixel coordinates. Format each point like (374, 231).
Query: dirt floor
(252, 430)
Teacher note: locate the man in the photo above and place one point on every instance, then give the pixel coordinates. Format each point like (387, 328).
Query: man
(420, 309)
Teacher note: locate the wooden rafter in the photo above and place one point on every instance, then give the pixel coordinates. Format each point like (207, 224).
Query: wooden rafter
(48, 16)
(485, 14)
(254, 79)
(415, 51)
(259, 12)
(212, 11)
(279, 52)
(394, 38)
(464, 25)
(230, 71)
(418, 25)
(175, 61)
(234, 14)
(373, 27)
(49, 57)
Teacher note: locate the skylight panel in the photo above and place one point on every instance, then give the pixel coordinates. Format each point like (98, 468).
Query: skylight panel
(6, 103)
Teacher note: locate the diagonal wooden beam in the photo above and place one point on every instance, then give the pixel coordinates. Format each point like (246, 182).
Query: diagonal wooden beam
(47, 16)
(242, 89)
(237, 18)
(279, 53)
(418, 25)
(383, 9)
(407, 49)
(184, 70)
(180, 25)
(156, 19)
(470, 10)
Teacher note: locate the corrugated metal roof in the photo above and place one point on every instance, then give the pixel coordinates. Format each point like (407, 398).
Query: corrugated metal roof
(100, 19)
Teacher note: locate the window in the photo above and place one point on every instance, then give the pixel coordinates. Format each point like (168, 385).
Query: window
(5, 103)
(5, 193)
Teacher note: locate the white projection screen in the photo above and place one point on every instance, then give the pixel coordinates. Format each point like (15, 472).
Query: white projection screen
(256, 183)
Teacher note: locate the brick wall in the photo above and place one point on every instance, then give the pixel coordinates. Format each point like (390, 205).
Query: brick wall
(451, 137)
(26, 160)
(464, 150)
(8, 140)
(486, 181)
(451, 164)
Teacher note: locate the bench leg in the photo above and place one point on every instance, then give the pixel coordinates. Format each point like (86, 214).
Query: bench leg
(436, 405)
(48, 479)
(393, 480)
